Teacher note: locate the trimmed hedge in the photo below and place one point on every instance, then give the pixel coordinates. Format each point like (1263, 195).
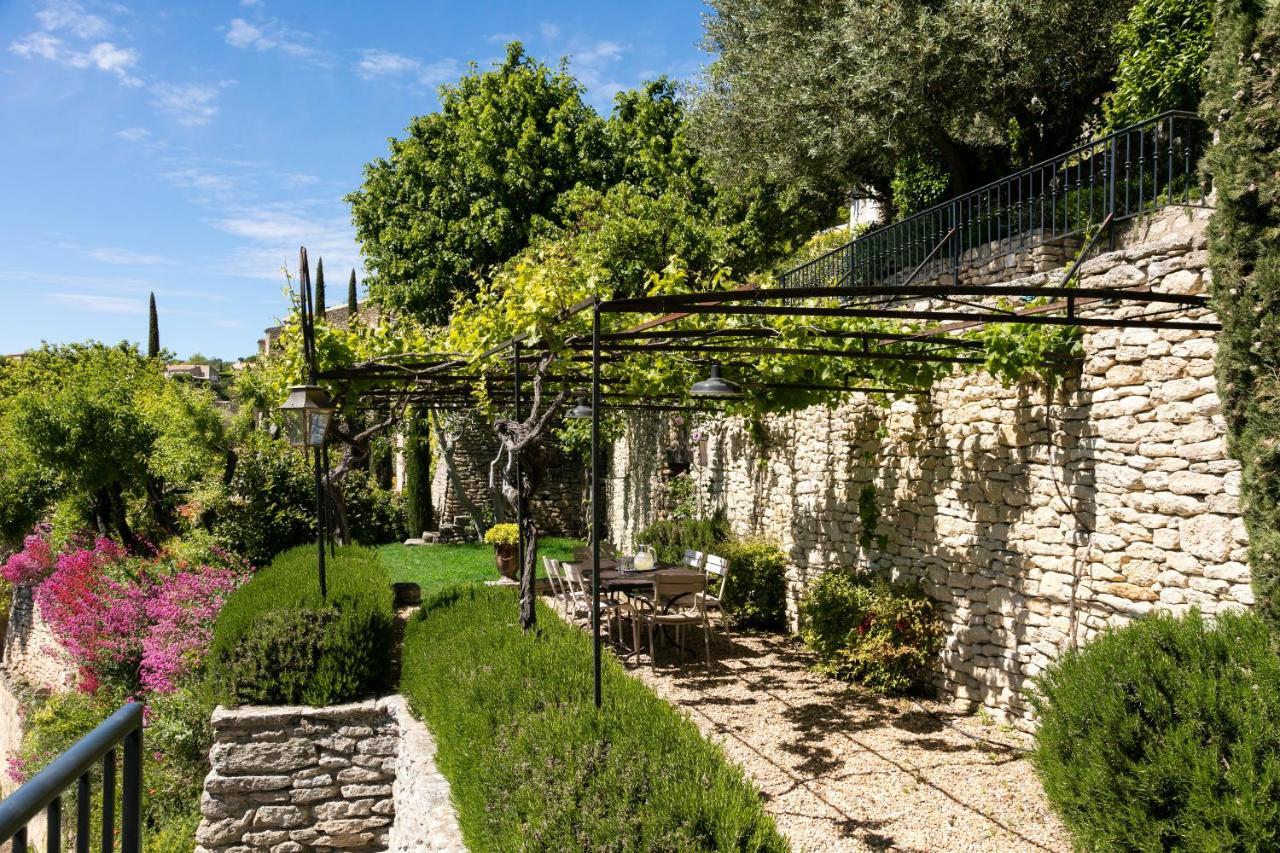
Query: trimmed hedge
(670, 537)
(756, 594)
(277, 642)
(1165, 735)
(534, 766)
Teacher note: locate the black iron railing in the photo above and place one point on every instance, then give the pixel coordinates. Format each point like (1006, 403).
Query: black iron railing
(1139, 169)
(45, 791)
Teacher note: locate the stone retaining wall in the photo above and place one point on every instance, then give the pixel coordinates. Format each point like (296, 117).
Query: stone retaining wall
(288, 779)
(557, 505)
(1033, 519)
(32, 655)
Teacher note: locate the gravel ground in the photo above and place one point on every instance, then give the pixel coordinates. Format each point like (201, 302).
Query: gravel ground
(842, 769)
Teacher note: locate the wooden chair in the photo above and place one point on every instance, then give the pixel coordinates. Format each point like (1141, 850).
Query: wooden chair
(717, 569)
(608, 551)
(674, 605)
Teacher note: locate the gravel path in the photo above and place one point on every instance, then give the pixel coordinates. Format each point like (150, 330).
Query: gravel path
(842, 769)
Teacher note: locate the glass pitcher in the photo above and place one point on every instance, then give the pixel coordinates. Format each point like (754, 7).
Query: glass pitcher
(645, 558)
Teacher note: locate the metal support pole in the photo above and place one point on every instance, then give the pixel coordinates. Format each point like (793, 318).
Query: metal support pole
(131, 796)
(1111, 190)
(515, 415)
(595, 498)
(321, 524)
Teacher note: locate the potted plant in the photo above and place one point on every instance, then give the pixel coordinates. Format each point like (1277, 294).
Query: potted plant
(504, 538)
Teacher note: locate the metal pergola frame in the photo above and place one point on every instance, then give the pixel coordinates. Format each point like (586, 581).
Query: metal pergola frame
(442, 381)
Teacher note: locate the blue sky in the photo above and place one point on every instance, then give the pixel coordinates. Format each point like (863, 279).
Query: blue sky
(190, 148)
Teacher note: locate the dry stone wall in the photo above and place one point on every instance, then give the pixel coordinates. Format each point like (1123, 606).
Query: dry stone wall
(557, 505)
(1033, 518)
(357, 777)
(32, 655)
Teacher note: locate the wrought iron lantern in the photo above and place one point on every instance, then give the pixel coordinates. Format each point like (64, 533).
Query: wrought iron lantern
(580, 412)
(716, 386)
(307, 411)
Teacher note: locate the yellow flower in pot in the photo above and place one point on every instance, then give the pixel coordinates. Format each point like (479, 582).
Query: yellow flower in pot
(504, 538)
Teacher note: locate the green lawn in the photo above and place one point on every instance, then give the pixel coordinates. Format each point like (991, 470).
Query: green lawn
(435, 567)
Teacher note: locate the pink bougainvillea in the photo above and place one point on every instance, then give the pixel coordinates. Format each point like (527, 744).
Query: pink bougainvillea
(180, 616)
(137, 623)
(32, 563)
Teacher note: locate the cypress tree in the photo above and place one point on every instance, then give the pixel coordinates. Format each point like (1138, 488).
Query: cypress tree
(353, 304)
(417, 475)
(320, 288)
(1242, 104)
(153, 331)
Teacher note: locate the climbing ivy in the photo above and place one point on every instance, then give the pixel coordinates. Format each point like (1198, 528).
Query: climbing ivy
(1243, 105)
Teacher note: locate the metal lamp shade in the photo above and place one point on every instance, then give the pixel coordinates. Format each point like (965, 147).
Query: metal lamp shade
(580, 412)
(716, 386)
(307, 411)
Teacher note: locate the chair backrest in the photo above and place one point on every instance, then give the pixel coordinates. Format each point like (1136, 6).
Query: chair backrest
(718, 568)
(572, 574)
(553, 575)
(676, 589)
(582, 552)
(693, 559)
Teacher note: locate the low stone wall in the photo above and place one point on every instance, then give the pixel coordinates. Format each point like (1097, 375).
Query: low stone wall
(1033, 518)
(288, 779)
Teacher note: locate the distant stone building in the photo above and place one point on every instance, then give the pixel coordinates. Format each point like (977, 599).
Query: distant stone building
(198, 372)
(338, 315)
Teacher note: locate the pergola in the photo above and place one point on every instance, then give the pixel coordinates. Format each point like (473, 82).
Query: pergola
(447, 381)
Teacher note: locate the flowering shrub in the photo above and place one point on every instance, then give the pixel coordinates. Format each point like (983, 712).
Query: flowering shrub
(881, 635)
(32, 563)
(130, 622)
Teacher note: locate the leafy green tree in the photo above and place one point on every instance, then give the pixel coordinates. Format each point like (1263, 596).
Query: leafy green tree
(829, 95)
(107, 430)
(468, 184)
(1163, 47)
(1242, 104)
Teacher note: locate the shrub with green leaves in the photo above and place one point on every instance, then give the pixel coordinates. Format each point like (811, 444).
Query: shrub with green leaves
(756, 593)
(278, 642)
(671, 537)
(1165, 735)
(534, 766)
(1163, 46)
(882, 635)
(375, 515)
(269, 503)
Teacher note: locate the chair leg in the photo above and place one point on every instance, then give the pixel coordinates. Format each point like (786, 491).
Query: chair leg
(653, 650)
(706, 638)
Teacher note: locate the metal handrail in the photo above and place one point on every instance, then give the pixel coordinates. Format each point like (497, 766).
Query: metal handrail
(43, 792)
(1137, 169)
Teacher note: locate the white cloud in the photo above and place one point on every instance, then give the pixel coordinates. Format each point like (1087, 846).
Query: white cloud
(384, 63)
(270, 36)
(190, 104)
(72, 17)
(599, 53)
(549, 31)
(98, 304)
(503, 38)
(40, 45)
(195, 179)
(134, 134)
(274, 235)
(111, 255)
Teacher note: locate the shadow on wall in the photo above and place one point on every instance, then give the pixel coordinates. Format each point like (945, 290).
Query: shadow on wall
(988, 501)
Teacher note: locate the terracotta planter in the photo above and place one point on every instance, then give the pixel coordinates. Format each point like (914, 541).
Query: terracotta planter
(505, 558)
